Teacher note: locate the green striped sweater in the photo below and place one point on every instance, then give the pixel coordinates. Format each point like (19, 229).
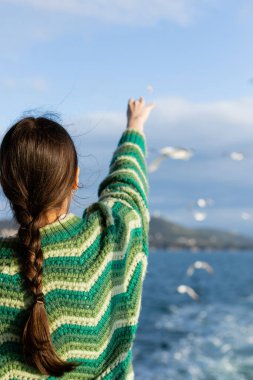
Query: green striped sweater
(93, 272)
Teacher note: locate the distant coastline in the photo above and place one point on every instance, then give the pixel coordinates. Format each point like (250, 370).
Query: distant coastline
(166, 235)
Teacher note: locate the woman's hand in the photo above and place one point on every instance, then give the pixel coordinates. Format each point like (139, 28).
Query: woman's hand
(137, 113)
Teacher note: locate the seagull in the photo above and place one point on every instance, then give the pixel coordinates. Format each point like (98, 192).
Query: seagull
(182, 289)
(236, 156)
(156, 163)
(176, 153)
(199, 265)
(199, 216)
(203, 202)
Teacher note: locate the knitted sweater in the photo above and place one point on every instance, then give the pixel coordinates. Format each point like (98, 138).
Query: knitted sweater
(93, 272)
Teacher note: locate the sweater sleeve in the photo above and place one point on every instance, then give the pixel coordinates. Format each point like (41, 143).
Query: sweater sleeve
(127, 180)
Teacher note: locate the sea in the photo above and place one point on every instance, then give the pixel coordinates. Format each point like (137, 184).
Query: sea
(179, 338)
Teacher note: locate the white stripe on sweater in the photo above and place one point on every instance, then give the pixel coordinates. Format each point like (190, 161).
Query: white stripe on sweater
(127, 171)
(133, 145)
(134, 160)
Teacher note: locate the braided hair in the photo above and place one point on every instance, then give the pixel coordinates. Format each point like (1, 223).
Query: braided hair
(38, 165)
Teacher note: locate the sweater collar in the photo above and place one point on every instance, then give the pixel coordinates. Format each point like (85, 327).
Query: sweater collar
(65, 223)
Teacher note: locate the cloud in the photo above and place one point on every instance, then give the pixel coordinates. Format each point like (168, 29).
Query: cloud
(203, 125)
(138, 12)
(234, 112)
(180, 121)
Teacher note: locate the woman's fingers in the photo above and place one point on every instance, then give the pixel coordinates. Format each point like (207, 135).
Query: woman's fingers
(138, 112)
(138, 109)
(141, 100)
(140, 104)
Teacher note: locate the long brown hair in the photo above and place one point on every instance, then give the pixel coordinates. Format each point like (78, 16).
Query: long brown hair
(38, 165)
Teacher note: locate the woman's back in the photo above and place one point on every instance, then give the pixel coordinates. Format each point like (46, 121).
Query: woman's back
(93, 272)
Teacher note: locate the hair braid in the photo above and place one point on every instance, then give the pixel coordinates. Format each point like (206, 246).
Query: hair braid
(36, 338)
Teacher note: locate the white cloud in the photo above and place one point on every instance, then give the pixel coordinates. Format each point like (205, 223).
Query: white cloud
(177, 120)
(234, 112)
(121, 11)
(202, 124)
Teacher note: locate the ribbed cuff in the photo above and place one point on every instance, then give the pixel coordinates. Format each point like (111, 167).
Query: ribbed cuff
(134, 136)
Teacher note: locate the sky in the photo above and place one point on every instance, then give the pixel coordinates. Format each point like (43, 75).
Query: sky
(84, 60)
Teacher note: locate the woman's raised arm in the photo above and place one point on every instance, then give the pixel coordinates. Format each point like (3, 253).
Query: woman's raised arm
(127, 180)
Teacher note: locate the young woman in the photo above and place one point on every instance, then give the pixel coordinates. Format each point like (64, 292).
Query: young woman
(70, 287)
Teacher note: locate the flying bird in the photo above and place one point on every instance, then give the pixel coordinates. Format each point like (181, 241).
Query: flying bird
(236, 156)
(203, 202)
(199, 265)
(175, 153)
(156, 163)
(184, 289)
(199, 216)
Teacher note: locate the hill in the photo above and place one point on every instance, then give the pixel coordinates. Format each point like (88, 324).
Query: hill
(167, 235)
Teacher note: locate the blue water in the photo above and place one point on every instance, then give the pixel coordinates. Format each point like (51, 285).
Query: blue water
(179, 338)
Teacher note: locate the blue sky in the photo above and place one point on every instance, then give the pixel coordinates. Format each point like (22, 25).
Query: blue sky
(85, 59)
